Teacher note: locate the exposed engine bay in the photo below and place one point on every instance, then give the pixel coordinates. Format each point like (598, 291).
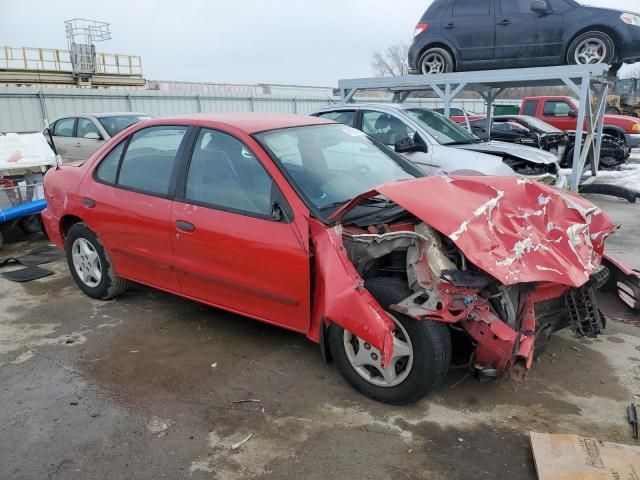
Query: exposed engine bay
(501, 323)
(503, 277)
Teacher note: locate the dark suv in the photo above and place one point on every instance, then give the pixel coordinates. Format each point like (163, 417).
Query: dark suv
(455, 35)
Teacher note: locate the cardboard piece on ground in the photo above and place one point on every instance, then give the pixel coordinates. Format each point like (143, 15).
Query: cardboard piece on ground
(571, 457)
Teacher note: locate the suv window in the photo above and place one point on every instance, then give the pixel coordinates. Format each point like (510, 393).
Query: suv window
(515, 6)
(148, 162)
(554, 108)
(471, 7)
(64, 127)
(530, 108)
(86, 126)
(385, 128)
(224, 174)
(346, 117)
(108, 168)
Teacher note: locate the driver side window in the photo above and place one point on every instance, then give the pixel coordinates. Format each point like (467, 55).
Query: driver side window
(385, 128)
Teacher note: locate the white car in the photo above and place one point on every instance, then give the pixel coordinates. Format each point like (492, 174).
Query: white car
(437, 145)
(77, 137)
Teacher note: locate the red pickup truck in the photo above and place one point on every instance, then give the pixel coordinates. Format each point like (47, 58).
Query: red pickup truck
(562, 112)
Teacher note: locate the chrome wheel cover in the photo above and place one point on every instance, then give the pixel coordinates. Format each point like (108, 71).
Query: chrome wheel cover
(366, 360)
(86, 262)
(591, 50)
(433, 63)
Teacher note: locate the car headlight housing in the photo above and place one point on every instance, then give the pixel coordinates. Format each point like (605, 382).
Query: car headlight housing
(630, 19)
(635, 128)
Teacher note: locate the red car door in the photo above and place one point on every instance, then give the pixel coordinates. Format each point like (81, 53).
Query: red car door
(127, 203)
(236, 243)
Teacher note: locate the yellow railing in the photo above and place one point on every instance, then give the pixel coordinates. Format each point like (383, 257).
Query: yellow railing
(55, 60)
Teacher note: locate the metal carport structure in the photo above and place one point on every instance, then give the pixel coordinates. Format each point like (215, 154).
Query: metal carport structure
(585, 81)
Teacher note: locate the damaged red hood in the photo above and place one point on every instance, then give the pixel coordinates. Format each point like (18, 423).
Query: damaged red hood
(517, 230)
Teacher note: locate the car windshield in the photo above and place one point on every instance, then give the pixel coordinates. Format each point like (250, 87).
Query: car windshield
(114, 124)
(332, 164)
(441, 128)
(533, 122)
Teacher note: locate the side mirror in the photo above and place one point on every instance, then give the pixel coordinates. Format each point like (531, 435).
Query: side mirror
(572, 113)
(407, 145)
(540, 6)
(92, 136)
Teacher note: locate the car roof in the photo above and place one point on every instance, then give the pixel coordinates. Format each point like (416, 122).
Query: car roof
(250, 122)
(115, 114)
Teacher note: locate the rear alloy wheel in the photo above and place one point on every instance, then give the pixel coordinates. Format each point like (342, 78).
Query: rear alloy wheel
(435, 61)
(90, 265)
(591, 48)
(421, 352)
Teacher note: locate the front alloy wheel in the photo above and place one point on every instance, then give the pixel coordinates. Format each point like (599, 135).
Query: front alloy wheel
(366, 360)
(86, 262)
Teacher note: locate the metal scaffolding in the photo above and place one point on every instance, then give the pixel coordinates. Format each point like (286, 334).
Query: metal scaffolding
(587, 82)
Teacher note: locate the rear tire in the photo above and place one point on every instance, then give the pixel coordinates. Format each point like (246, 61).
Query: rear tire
(436, 60)
(90, 265)
(417, 374)
(31, 223)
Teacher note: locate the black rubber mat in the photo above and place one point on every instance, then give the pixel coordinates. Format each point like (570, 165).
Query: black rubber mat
(39, 256)
(26, 274)
(42, 255)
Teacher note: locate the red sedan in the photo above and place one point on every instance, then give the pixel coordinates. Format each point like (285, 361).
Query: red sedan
(315, 227)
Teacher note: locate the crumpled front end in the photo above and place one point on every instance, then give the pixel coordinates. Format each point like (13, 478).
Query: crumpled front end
(505, 263)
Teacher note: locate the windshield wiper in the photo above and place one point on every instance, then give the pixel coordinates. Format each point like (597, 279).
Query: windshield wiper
(367, 201)
(463, 142)
(334, 205)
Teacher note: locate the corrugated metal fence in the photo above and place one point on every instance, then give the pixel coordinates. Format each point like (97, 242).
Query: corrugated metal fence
(27, 109)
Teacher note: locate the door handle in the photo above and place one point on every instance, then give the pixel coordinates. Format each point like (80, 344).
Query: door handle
(450, 26)
(88, 202)
(185, 226)
(504, 23)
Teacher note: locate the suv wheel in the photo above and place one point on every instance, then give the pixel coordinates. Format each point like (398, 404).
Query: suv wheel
(421, 353)
(590, 48)
(90, 265)
(435, 60)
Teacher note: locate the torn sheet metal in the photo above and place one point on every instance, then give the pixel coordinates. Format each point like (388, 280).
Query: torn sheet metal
(340, 296)
(514, 229)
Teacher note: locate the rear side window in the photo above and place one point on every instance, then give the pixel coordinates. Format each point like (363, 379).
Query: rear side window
(148, 162)
(224, 174)
(471, 7)
(64, 127)
(556, 109)
(108, 168)
(530, 108)
(345, 117)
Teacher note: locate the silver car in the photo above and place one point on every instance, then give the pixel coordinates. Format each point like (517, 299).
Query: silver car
(445, 147)
(77, 137)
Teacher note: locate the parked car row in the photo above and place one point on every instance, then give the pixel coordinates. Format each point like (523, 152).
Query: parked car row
(321, 228)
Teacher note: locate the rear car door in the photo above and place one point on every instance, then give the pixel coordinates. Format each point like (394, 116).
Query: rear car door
(389, 129)
(127, 202)
(471, 27)
(525, 37)
(237, 245)
(63, 137)
(88, 138)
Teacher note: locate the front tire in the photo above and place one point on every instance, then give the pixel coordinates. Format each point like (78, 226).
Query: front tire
(90, 265)
(591, 48)
(436, 60)
(422, 352)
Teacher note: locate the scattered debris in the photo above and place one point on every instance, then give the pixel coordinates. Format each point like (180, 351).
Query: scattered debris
(73, 403)
(248, 400)
(133, 351)
(576, 349)
(158, 425)
(560, 457)
(214, 365)
(236, 446)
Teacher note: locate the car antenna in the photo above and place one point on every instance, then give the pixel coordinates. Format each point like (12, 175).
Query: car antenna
(43, 103)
